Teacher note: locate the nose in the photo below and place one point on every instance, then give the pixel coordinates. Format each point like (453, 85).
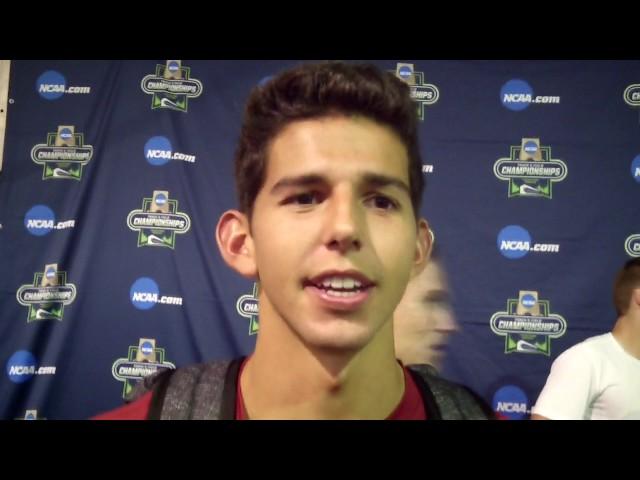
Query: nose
(342, 226)
(446, 321)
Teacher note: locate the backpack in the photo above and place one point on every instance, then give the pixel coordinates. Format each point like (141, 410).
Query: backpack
(207, 391)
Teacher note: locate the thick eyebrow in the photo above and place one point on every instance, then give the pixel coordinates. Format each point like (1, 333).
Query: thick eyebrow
(379, 181)
(299, 181)
(375, 180)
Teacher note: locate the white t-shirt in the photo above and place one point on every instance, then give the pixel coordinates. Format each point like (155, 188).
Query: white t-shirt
(593, 380)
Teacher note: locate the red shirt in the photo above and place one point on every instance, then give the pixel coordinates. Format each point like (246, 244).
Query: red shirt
(410, 407)
(137, 410)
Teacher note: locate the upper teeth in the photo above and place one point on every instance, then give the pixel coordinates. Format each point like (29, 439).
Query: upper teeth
(341, 283)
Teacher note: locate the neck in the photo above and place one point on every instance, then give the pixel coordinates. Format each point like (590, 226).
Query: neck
(285, 379)
(627, 333)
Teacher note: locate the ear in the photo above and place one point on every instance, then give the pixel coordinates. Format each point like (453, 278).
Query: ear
(236, 244)
(424, 243)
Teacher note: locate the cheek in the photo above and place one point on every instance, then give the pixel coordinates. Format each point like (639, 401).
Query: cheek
(393, 247)
(412, 318)
(282, 251)
(423, 319)
(274, 236)
(395, 251)
(273, 254)
(430, 318)
(403, 315)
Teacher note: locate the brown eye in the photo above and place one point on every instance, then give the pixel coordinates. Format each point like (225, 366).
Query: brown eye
(382, 202)
(303, 199)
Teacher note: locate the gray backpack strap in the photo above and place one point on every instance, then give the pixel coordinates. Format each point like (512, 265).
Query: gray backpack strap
(214, 397)
(454, 402)
(195, 392)
(192, 392)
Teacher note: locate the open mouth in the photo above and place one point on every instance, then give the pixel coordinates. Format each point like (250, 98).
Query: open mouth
(340, 284)
(341, 289)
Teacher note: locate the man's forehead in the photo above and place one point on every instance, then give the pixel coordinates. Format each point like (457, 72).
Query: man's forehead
(330, 149)
(341, 131)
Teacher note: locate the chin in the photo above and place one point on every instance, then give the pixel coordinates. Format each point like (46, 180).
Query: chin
(349, 338)
(435, 359)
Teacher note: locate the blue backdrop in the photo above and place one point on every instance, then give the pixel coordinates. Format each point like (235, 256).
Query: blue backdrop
(115, 174)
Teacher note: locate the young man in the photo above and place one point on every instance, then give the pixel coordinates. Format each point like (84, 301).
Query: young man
(599, 378)
(424, 319)
(328, 173)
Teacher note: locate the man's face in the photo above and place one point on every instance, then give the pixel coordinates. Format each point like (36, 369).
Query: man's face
(423, 319)
(334, 231)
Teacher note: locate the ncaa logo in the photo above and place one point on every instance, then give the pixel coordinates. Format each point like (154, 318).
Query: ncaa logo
(530, 147)
(21, 366)
(51, 85)
(516, 94)
(161, 199)
(158, 150)
(39, 220)
(405, 72)
(173, 66)
(144, 293)
(528, 301)
(146, 348)
(65, 134)
(511, 402)
(50, 273)
(635, 169)
(513, 242)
